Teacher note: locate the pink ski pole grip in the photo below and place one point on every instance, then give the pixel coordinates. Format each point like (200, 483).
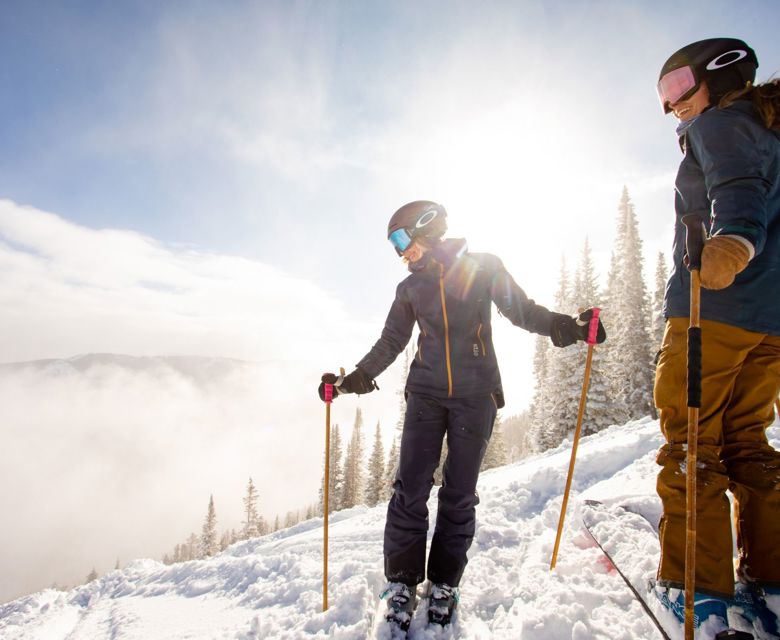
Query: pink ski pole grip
(328, 393)
(593, 326)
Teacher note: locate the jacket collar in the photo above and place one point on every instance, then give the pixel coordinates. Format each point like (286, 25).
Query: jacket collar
(445, 253)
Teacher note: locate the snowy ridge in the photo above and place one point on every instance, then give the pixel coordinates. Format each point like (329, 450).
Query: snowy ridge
(270, 587)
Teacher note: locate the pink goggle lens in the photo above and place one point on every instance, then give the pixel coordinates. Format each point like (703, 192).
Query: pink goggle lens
(674, 85)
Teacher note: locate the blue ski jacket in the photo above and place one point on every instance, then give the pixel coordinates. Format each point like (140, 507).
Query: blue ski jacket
(449, 296)
(730, 177)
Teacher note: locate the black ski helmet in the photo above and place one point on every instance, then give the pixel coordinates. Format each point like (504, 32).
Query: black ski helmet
(418, 219)
(726, 64)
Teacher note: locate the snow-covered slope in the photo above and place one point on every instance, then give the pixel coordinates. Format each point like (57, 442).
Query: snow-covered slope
(271, 587)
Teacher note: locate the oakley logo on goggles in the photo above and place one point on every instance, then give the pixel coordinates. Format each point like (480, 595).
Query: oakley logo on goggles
(401, 240)
(676, 85)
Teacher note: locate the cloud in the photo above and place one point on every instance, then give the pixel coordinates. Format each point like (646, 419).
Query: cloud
(67, 289)
(120, 461)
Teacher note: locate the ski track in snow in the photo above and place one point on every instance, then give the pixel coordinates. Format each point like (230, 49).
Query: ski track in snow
(271, 587)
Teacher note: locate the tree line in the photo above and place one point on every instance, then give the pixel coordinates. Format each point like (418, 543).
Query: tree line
(623, 368)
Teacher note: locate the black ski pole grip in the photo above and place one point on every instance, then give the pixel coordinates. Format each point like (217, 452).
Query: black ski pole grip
(694, 239)
(694, 367)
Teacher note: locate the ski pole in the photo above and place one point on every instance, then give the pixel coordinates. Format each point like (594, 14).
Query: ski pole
(325, 506)
(694, 242)
(593, 328)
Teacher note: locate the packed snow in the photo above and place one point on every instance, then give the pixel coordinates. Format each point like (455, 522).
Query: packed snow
(271, 587)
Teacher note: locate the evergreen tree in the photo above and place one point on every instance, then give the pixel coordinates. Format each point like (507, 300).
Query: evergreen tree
(518, 435)
(336, 472)
(192, 548)
(392, 458)
(93, 575)
(376, 471)
(391, 468)
(208, 539)
(352, 493)
(597, 408)
(536, 412)
(658, 321)
(225, 540)
(251, 519)
(628, 365)
(559, 411)
(496, 454)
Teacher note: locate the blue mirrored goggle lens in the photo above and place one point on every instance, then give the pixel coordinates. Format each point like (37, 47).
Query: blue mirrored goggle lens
(401, 240)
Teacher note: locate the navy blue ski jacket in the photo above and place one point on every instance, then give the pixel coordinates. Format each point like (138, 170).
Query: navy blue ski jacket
(449, 296)
(730, 177)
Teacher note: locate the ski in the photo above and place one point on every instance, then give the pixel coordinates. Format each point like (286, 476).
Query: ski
(592, 513)
(588, 524)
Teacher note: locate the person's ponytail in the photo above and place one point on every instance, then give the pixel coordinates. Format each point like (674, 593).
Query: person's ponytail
(765, 98)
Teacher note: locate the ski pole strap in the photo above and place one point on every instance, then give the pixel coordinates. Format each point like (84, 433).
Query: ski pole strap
(328, 393)
(694, 367)
(593, 327)
(694, 239)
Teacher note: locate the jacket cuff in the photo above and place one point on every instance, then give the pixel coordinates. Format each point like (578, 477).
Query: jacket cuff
(743, 240)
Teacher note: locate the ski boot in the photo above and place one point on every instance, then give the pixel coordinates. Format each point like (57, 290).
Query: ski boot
(710, 613)
(401, 603)
(750, 603)
(441, 604)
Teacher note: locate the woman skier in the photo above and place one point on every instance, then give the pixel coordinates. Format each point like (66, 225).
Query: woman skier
(453, 389)
(729, 177)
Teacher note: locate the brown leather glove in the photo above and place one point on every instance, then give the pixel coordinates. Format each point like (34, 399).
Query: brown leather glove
(722, 258)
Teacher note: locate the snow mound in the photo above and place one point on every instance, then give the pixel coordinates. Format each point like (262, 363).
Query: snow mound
(271, 587)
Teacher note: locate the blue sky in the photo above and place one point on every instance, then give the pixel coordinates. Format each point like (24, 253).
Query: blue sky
(287, 132)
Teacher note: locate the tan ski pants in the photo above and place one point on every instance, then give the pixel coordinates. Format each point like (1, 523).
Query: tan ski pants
(740, 381)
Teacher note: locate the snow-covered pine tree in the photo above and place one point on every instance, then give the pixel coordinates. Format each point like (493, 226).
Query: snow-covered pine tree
(224, 540)
(392, 458)
(390, 468)
(375, 483)
(496, 454)
(584, 296)
(336, 471)
(517, 435)
(658, 321)
(562, 380)
(192, 548)
(538, 403)
(352, 493)
(209, 544)
(251, 519)
(629, 369)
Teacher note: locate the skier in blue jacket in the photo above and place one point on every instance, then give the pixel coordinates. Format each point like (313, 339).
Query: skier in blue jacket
(453, 389)
(729, 177)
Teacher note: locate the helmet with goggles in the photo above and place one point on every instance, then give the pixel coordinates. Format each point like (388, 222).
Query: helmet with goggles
(418, 219)
(725, 64)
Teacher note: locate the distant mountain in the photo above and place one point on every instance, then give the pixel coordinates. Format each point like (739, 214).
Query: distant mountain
(201, 370)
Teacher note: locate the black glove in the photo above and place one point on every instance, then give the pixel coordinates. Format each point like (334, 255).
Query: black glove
(566, 330)
(356, 382)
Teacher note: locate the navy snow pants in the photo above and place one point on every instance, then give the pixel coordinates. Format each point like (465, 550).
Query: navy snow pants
(467, 424)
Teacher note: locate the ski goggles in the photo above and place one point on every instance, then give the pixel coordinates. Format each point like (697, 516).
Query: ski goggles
(401, 240)
(676, 85)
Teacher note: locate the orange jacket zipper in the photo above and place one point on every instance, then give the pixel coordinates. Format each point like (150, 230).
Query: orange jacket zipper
(479, 337)
(446, 331)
